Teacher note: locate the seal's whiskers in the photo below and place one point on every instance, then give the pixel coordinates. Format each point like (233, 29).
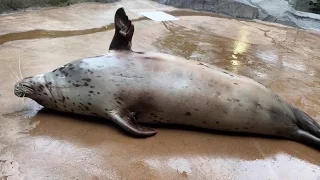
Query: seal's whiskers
(20, 69)
(15, 74)
(24, 92)
(19, 79)
(12, 78)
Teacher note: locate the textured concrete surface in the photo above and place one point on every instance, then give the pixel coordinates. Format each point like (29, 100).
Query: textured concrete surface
(37, 144)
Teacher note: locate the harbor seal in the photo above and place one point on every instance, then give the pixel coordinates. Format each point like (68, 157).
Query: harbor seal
(132, 88)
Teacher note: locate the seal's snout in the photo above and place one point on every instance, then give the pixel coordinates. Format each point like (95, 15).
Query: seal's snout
(22, 90)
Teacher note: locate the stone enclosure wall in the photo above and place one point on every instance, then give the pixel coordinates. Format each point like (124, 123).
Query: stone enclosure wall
(11, 5)
(279, 11)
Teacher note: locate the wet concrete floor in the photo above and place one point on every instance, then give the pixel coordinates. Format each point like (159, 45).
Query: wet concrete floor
(37, 144)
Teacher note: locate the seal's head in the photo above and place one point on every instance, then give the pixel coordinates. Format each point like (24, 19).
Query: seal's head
(34, 88)
(23, 88)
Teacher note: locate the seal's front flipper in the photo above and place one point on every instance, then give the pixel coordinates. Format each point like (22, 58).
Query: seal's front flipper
(130, 125)
(124, 30)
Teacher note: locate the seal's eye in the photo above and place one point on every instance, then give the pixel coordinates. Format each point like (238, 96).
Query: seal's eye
(25, 86)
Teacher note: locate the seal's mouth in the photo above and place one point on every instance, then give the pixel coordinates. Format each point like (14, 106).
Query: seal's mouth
(22, 90)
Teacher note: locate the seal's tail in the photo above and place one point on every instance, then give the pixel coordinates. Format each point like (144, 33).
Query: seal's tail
(309, 131)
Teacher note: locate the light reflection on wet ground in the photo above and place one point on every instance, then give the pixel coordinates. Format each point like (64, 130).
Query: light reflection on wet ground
(46, 145)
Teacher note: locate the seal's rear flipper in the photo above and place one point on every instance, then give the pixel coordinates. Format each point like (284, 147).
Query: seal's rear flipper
(309, 129)
(124, 30)
(307, 138)
(129, 125)
(305, 122)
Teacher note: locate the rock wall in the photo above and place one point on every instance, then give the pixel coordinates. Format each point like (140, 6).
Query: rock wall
(11, 5)
(280, 11)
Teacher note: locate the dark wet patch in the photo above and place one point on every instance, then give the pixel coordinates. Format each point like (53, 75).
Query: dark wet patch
(235, 83)
(187, 114)
(91, 92)
(204, 122)
(89, 104)
(217, 122)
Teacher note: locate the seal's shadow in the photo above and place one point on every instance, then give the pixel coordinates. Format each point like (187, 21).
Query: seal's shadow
(107, 122)
(94, 131)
